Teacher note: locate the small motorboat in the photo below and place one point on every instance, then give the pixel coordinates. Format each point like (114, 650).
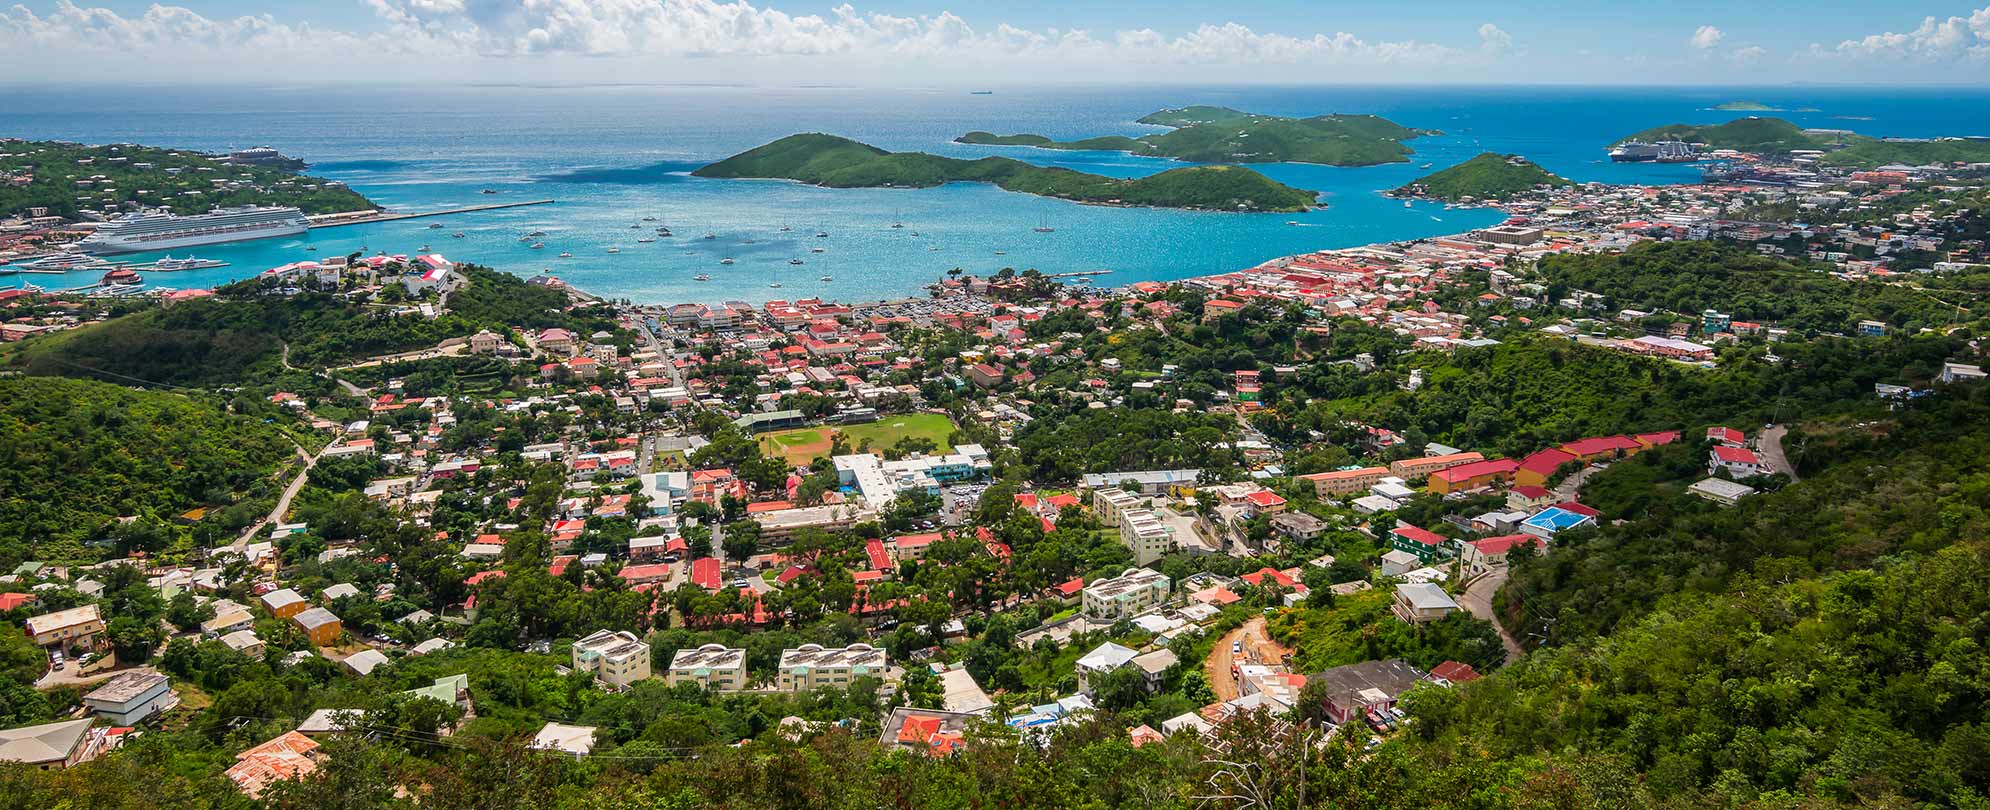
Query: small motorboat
(614, 250)
(817, 250)
(644, 241)
(828, 278)
(566, 255)
(726, 260)
(796, 261)
(490, 191)
(702, 277)
(456, 235)
(538, 245)
(435, 226)
(775, 284)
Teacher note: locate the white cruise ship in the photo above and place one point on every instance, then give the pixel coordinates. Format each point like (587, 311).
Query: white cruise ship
(159, 231)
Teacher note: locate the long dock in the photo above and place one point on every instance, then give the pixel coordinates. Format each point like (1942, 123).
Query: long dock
(339, 220)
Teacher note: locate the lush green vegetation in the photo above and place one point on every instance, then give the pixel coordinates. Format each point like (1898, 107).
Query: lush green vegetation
(241, 335)
(828, 160)
(1488, 176)
(1867, 152)
(182, 180)
(77, 455)
(1362, 627)
(1223, 135)
(1687, 278)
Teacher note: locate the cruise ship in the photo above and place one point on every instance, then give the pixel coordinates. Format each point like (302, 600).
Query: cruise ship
(1659, 152)
(160, 231)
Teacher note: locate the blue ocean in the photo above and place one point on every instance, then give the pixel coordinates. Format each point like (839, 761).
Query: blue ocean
(613, 155)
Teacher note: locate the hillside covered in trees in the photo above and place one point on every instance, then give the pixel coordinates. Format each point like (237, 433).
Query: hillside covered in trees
(1204, 134)
(1690, 277)
(1487, 176)
(67, 177)
(241, 334)
(75, 456)
(827, 160)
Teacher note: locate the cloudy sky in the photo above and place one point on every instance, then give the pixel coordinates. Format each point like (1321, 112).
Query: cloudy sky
(996, 42)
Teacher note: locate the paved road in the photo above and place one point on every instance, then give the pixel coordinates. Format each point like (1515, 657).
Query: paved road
(1771, 445)
(282, 503)
(1477, 600)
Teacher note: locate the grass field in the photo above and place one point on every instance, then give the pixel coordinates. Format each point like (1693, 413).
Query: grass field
(802, 445)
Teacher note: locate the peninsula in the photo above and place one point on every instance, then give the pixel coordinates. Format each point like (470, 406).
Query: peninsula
(1224, 135)
(1488, 176)
(836, 162)
(1775, 136)
(70, 179)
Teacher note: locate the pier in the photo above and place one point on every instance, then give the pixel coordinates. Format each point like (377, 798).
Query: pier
(1077, 273)
(363, 218)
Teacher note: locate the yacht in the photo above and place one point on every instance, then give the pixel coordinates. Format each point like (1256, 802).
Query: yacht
(490, 191)
(1043, 227)
(661, 231)
(62, 262)
(726, 260)
(170, 264)
(536, 234)
(538, 245)
(775, 284)
(710, 235)
(645, 240)
(828, 278)
(162, 231)
(785, 229)
(425, 249)
(312, 248)
(818, 250)
(435, 226)
(649, 219)
(702, 277)
(1001, 253)
(614, 250)
(1406, 204)
(566, 255)
(796, 261)
(456, 235)
(822, 234)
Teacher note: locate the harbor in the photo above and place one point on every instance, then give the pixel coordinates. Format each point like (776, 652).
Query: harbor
(321, 221)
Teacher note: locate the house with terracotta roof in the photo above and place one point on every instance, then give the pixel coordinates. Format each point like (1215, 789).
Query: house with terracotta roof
(289, 756)
(1727, 437)
(1602, 448)
(1486, 554)
(1330, 485)
(929, 731)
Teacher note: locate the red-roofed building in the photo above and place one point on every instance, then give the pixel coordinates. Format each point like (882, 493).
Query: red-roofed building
(1650, 440)
(879, 559)
(1215, 595)
(1282, 579)
(1740, 462)
(1602, 448)
(9, 601)
(1070, 589)
(1480, 556)
(705, 573)
(1265, 502)
(1454, 672)
(1539, 467)
(913, 546)
(1727, 437)
(1472, 476)
(655, 572)
(1427, 545)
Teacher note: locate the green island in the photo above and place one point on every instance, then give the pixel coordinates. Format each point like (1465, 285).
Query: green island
(1223, 135)
(835, 162)
(67, 178)
(1757, 106)
(1488, 176)
(1776, 136)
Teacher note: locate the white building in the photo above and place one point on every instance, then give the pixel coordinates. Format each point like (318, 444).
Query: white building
(713, 666)
(616, 658)
(812, 666)
(1126, 595)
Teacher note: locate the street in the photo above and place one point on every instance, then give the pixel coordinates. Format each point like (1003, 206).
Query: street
(1477, 600)
(1771, 445)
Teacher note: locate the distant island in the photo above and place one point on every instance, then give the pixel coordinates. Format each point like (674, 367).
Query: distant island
(1223, 135)
(1488, 176)
(69, 179)
(1757, 106)
(835, 162)
(1775, 136)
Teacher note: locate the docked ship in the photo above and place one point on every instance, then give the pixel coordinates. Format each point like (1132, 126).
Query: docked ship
(160, 231)
(1657, 152)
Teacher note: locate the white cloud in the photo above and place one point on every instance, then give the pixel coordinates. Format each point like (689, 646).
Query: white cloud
(1747, 56)
(1934, 40)
(706, 35)
(1706, 38)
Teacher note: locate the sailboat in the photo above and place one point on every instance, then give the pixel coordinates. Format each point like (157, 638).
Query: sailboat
(1043, 226)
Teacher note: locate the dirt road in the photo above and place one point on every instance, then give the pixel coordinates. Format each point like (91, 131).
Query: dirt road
(1477, 600)
(1258, 649)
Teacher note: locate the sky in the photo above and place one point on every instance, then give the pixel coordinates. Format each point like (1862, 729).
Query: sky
(997, 42)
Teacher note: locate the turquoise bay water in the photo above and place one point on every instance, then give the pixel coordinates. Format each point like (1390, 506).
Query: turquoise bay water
(613, 155)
